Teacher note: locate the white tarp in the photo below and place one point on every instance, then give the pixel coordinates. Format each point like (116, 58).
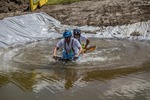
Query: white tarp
(38, 26)
(27, 28)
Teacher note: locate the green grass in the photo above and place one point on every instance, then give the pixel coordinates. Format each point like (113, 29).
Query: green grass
(61, 1)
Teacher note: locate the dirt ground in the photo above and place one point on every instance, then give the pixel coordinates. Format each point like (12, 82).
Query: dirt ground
(86, 12)
(13, 5)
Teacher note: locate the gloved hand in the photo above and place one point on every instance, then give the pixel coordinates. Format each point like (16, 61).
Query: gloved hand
(75, 57)
(55, 57)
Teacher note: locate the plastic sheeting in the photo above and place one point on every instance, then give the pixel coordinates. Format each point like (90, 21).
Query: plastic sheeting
(27, 28)
(38, 26)
(138, 31)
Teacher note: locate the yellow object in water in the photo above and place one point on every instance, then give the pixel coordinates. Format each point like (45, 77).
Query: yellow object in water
(37, 3)
(91, 48)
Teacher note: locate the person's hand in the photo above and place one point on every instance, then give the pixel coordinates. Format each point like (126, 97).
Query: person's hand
(84, 50)
(76, 57)
(55, 57)
(85, 47)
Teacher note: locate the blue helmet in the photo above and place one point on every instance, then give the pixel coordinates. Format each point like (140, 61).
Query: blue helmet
(67, 33)
(76, 31)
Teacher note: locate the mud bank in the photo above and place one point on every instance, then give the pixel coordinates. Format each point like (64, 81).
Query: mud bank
(95, 12)
(13, 5)
(101, 12)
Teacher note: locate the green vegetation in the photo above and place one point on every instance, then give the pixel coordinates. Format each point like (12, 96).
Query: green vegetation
(61, 1)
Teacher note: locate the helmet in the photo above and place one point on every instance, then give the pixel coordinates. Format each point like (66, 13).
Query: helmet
(76, 31)
(67, 33)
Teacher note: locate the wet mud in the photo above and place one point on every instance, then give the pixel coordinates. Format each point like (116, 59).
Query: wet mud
(92, 12)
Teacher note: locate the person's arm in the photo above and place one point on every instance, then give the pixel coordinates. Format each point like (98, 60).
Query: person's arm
(80, 51)
(78, 45)
(55, 51)
(59, 45)
(87, 43)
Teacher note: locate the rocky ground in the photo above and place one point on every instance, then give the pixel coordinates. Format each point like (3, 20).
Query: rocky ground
(86, 12)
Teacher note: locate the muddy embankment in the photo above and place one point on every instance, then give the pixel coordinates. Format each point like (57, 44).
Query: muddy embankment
(86, 12)
(13, 7)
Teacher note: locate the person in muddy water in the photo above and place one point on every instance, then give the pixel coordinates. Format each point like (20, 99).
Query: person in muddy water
(82, 39)
(71, 47)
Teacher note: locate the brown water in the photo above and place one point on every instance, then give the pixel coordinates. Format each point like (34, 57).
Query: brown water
(116, 70)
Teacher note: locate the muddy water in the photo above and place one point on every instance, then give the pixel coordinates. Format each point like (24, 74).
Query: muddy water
(116, 70)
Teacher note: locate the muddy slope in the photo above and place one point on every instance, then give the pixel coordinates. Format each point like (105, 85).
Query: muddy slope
(92, 12)
(13, 5)
(101, 12)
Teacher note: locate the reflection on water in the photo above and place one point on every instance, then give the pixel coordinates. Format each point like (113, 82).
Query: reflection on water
(116, 70)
